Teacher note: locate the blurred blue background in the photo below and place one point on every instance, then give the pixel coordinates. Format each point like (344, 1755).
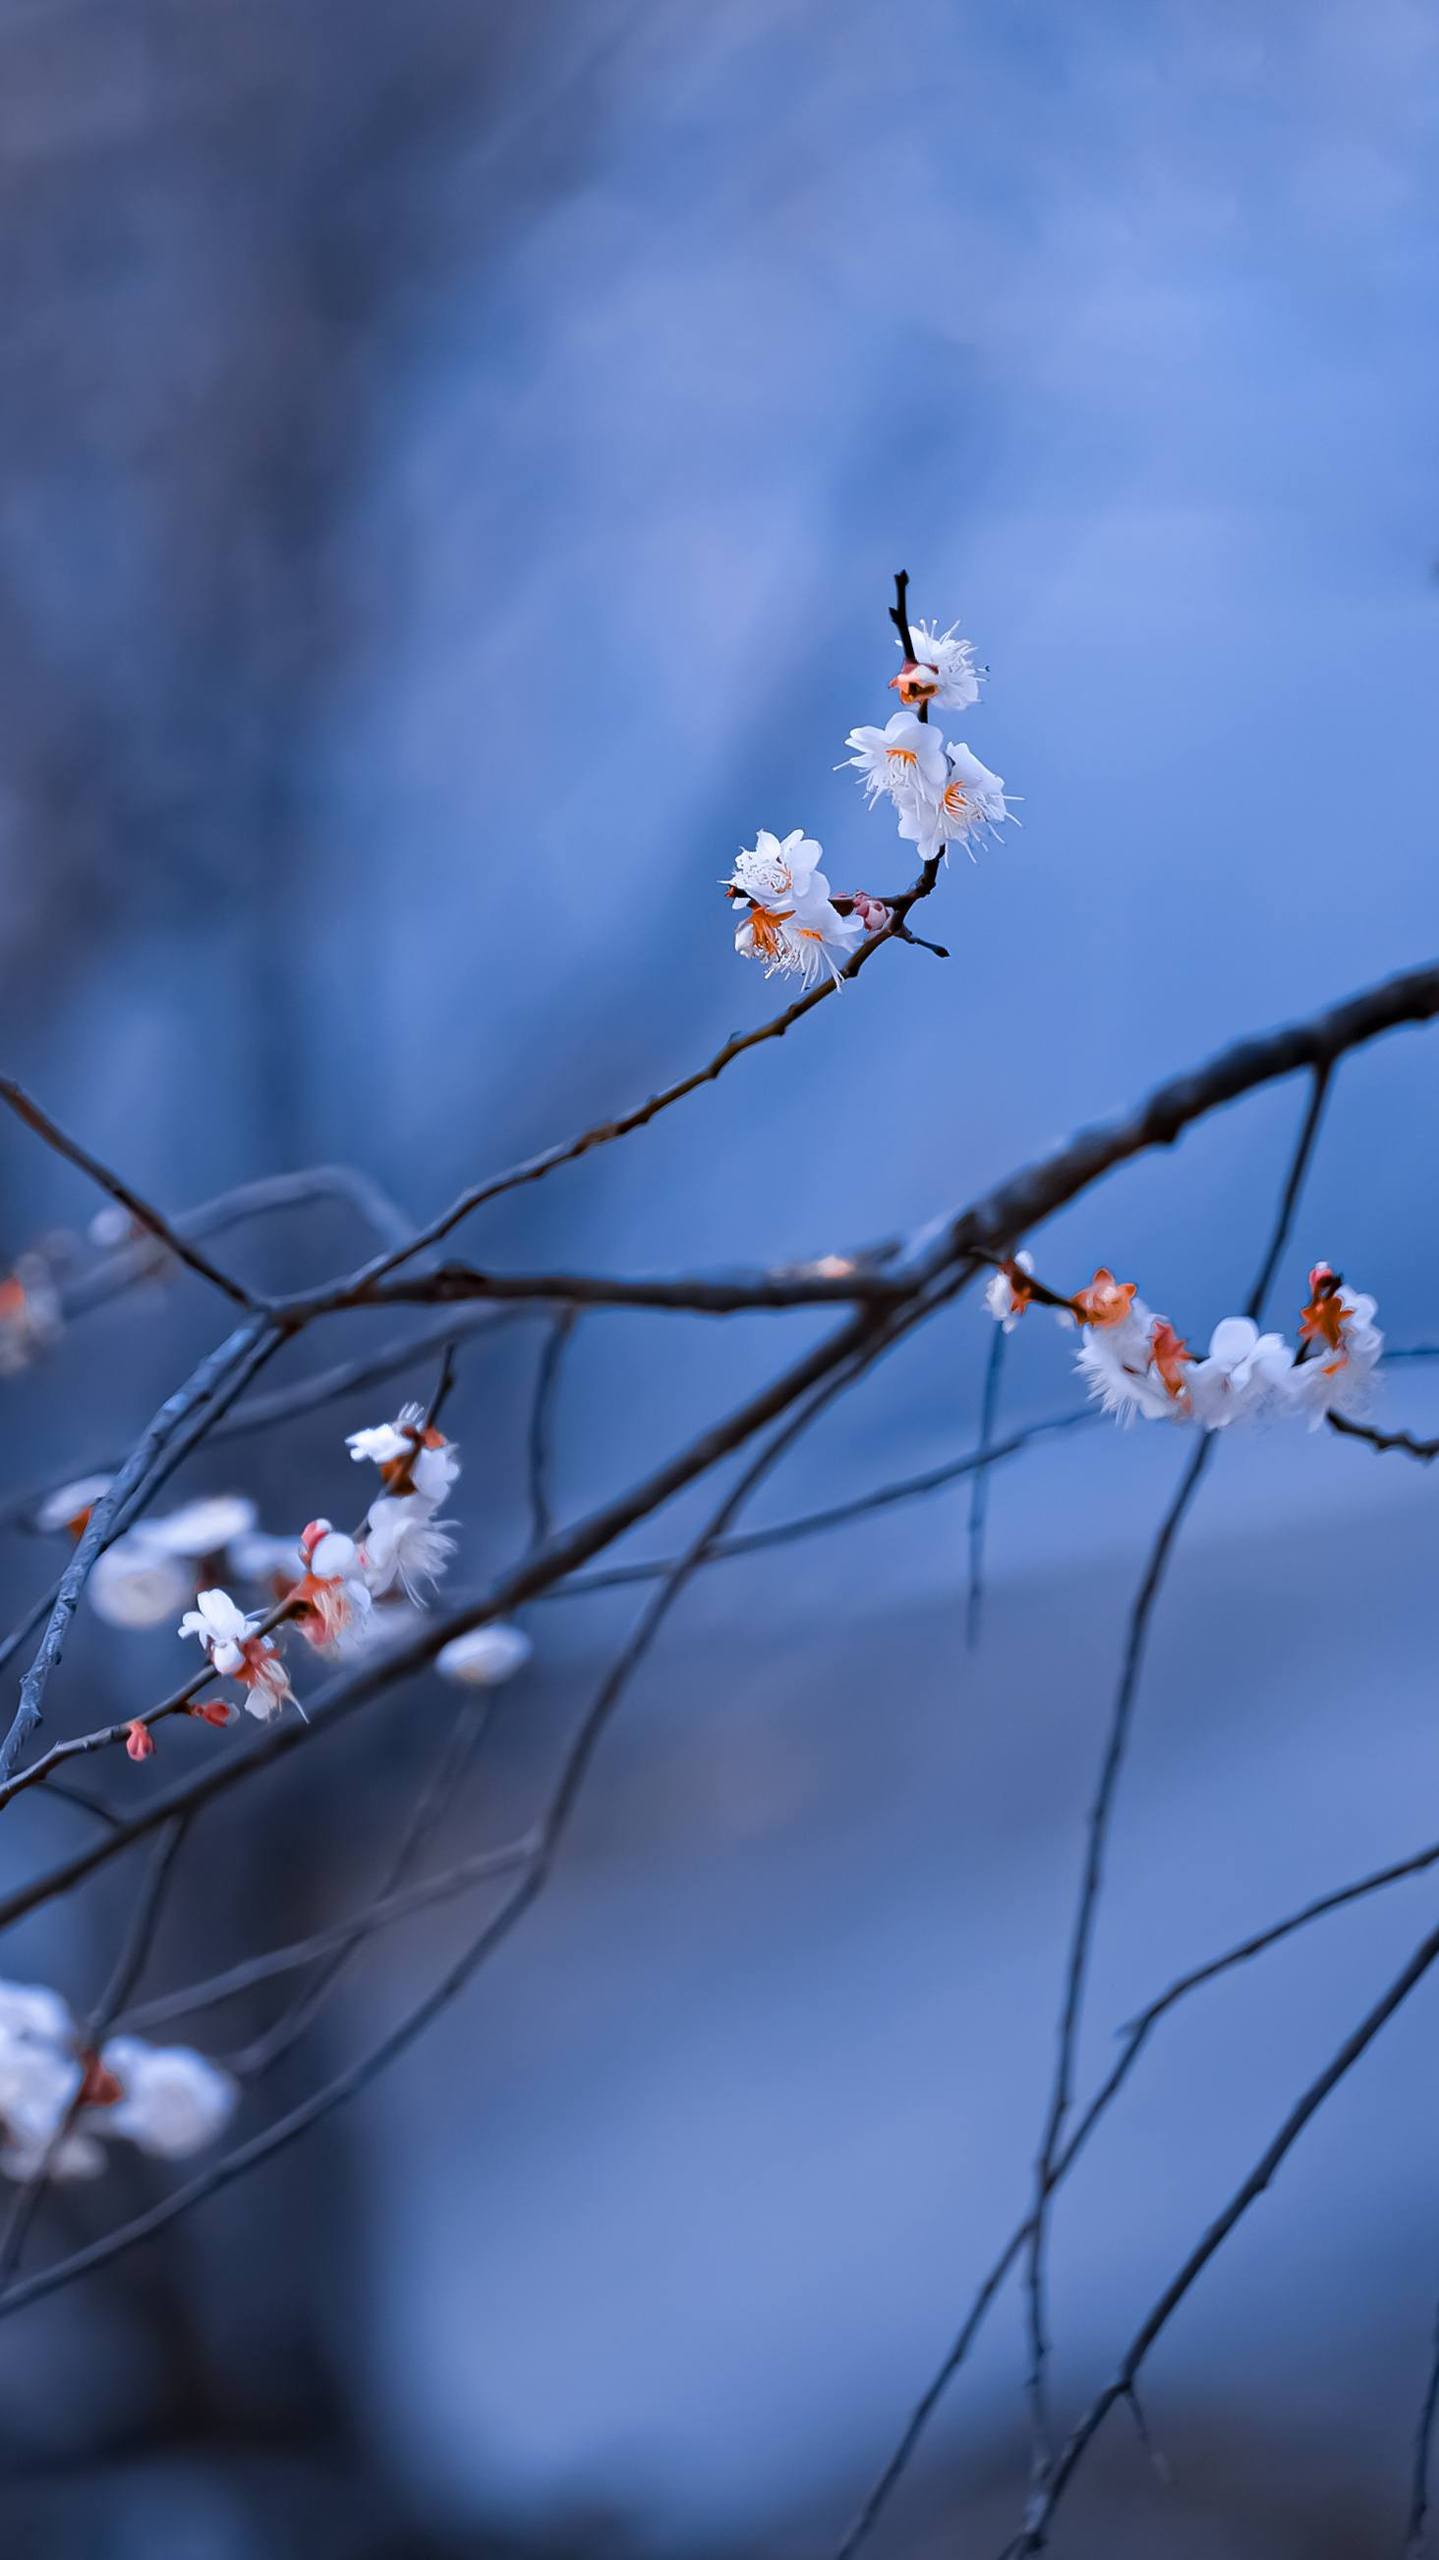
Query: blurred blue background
(454, 462)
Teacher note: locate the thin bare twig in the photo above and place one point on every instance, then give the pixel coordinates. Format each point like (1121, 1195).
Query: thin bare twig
(26, 1108)
(1415, 2533)
(1102, 1808)
(539, 1450)
(979, 1490)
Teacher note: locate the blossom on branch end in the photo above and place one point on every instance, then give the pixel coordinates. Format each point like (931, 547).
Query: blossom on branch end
(239, 1652)
(1008, 1292)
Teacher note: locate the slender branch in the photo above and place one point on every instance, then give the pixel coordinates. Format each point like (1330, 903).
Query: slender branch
(128, 1265)
(551, 1834)
(108, 1514)
(454, 1283)
(362, 1284)
(539, 1438)
(1102, 1808)
(1424, 1450)
(1135, 2037)
(26, 1108)
(307, 1395)
(979, 1491)
(1355, 2045)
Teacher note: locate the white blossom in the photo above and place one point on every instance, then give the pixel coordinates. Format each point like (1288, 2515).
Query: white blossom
(135, 1584)
(942, 670)
(409, 1448)
(1243, 1375)
(333, 1589)
(968, 804)
(803, 944)
(404, 1544)
(484, 1657)
(903, 758)
(1338, 1377)
(202, 1528)
(999, 1295)
(172, 2101)
(238, 1652)
(778, 872)
(70, 1505)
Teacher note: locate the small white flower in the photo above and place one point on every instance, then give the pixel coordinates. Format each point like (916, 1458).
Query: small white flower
(31, 1317)
(1339, 1378)
(802, 945)
(1115, 1360)
(778, 873)
(333, 1588)
(999, 1293)
(1242, 1376)
(404, 1543)
(906, 756)
(202, 1528)
(31, 2014)
(173, 2101)
(942, 670)
(135, 1584)
(238, 1652)
(408, 1447)
(968, 805)
(70, 1505)
(484, 1657)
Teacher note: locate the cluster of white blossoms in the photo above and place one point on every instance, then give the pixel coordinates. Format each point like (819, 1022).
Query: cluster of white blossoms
(1135, 1363)
(164, 2099)
(341, 1594)
(792, 922)
(941, 791)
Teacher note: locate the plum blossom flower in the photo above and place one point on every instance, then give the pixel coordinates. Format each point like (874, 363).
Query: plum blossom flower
(136, 1584)
(941, 671)
(31, 1318)
(1242, 1374)
(140, 1742)
(405, 1545)
(1116, 1355)
(484, 1657)
(238, 1652)
(966, 805)
(792, 924)
(1006, 1294)
(873, 914)
(333, 1595)
(1344, 1345)
(171, 2101)
(410, 1452)
(206, 1527)
(777, 871)
(70, 1505)
(803, 944)
(904, 758)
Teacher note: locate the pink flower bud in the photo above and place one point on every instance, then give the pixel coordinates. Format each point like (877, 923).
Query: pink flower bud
(139, 1741)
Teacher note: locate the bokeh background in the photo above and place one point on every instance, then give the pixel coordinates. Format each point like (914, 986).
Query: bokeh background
(452, 464)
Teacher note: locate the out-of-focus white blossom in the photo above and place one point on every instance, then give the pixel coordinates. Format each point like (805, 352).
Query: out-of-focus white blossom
(333, 1593)
(136, 1584)
(484, 1657)
(238, 1652)
(1005, 1300)
(165, 2100)
(968, 803)
(172, 2101)
(259, 1557)
(1243, 1375)
(941, 671)
(1115, 1362)
(206, 1527)
(70, 1505)
(31, 1318)
(904, 758)
(404, 1544)
(1341, 1349)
